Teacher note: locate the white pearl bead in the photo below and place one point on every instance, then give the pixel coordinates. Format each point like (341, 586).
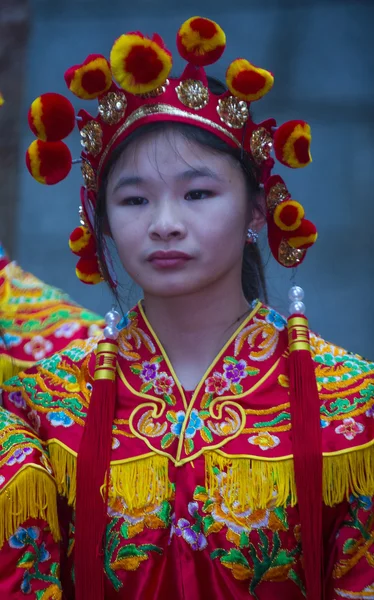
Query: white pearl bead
(296, 293)
(297, 307)
(111, 332)
(112, 317)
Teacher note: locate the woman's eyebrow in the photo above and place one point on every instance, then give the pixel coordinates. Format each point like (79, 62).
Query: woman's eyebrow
(187, 175)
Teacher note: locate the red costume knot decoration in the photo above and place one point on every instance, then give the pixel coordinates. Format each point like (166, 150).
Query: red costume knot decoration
(298, 333)
(134, 88)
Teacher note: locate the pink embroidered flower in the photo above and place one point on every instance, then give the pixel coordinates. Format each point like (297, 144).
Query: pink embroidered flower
(216, 384)
(38, 347)
(34, 420)
(149, 371)
(350, 428)
(163, 384)
(67, 330)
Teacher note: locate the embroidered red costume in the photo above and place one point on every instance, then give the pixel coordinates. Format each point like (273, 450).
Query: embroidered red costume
(202, 496)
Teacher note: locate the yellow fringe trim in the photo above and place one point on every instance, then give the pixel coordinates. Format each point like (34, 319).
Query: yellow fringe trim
(30, 494)
(64, 465)
(253, 483)
(10, 367)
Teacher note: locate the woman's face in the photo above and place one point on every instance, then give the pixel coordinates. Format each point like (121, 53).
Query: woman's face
(178, 214)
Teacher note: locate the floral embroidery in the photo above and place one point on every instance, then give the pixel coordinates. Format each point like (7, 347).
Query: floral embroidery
(160, 382)
(163, 384)
(35, 555)
(217, 384)
(8, 340)
(132, 337)
(148, 427)
(38, 347)
(149, 371)
(261, 335)
(17, 399)
(264, 440)
(350, 428)
(67, 330)
(34, 419)
(2, 479)
(276, 319)
(18, 456)
(190, 533)
(195, 423)
(59, 419)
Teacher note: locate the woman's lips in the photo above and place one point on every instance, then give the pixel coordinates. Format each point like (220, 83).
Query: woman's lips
(168, 259)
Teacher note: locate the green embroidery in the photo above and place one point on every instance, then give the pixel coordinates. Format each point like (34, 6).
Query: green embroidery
(283, 416)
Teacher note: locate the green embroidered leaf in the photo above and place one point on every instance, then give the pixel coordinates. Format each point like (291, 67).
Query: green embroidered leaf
(204, 414)
(206, 400)
(27, 560)
(236, 388)
(218, 553)
(171, 416)
(167, 440)
(296, 579)
(136, 369)
(124, 531)
(208, 521)
(207, 504)
(54, 569)
(164, 512)
(130, 550)
(281, 514)
(188, 445)
(199, 491)
(156, 359)
(151, 548)
(252, 371)
(230, 360)
(283, 558)
(39, 594)
(145, 387)
(170, 399)
(244, 540)
(235, 556)
(349, 546)
(206, 434)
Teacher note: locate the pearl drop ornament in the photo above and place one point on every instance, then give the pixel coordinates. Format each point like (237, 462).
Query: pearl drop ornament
(297, 307)
(296, 293)
(111, 332)
(112, 317)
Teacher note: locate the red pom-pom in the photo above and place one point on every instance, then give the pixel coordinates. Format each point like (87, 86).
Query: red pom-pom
(87, 270)
(288, 215)
(305, 236)
(90, 79)
(48, 162)
(51, 117)
(292, 144)
(201, 41)
(247, 82)
(82, 242)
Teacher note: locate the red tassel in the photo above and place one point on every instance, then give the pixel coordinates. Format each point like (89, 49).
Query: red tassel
(93, 466)
(307, 451)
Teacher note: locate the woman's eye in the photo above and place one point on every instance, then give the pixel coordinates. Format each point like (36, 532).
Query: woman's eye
(198, 195)
(134, 201)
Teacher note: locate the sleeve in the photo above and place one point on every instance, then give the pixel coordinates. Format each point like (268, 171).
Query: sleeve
(30, 563)
(352, 553)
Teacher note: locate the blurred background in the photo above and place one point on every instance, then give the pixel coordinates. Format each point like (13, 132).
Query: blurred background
(322, 55)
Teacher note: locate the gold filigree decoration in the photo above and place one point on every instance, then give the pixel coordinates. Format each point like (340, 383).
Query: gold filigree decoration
(82, 217)
(289, 256)
(88, 175)
(112, 107)
(193, 94)
(275, 196)
(261, 144)
(92, 138)
(161, 89)
(233, 112)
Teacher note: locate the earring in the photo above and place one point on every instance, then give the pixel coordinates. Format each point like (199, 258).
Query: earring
(252, 236)
(112, 318)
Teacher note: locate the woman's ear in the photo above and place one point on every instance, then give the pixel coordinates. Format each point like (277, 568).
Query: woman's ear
(258, 213)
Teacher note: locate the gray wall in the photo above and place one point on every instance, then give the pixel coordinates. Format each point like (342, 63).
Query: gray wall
(322, 56)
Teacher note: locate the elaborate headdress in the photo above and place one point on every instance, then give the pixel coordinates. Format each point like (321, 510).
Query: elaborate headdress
(144, 93)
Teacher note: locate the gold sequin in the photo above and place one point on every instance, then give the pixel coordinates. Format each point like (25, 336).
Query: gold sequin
(156, 92)
(288, 256)
(88, 175)
(82, 217)
(233, 112)
(276, 195)
(193, 94)
(92, 138)
(112, 107)
(261, 144)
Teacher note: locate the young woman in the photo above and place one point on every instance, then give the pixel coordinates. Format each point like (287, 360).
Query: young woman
(205, 448)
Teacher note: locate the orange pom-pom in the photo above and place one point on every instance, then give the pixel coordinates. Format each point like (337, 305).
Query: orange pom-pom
(248, 82)
(48, 162)
(90, 79)
(288, 215)
(139, 64)
(87, 270)
(51, 117)
(292, 144)
(82, 242)
(305, 236)
(201, 41)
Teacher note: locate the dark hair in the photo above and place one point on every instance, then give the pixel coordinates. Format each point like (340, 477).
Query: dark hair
(253, 278)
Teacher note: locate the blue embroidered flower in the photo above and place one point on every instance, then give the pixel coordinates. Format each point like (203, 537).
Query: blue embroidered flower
(20, 538)
(324, 423)
(26, 585)
(276, 319)
(8, 340)
(364, 502)
(44, 554)
(59, 418)
(176, 428)
(195, 423)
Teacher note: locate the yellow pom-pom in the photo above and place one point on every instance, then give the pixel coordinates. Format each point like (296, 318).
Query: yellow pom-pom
(247, 82)
(139, 64)
(201, 41)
